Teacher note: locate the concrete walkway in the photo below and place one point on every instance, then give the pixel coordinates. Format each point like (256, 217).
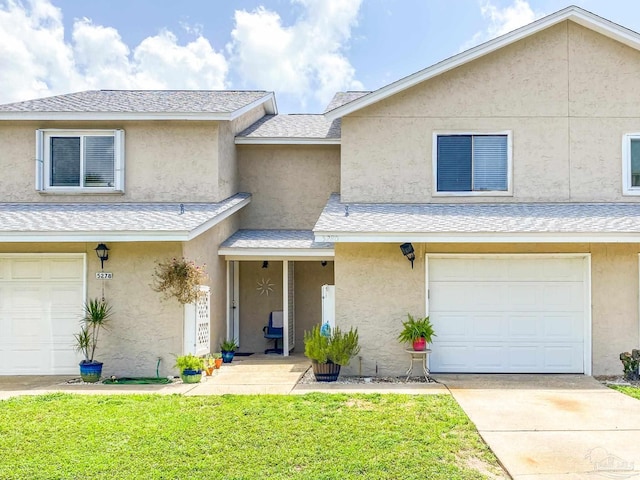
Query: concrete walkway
(544, 427)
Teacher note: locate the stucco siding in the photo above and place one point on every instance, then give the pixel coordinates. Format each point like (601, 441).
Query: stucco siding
(309, 278)
(603, 75)
(388, 289)
(164, 161)
(566, 94)
(204, 250)
(290, 185)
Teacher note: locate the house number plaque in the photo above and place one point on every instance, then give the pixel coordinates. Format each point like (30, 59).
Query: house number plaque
(104, 275)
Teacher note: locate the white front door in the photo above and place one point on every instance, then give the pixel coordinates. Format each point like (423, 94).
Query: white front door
(508, 314)
(41, 304)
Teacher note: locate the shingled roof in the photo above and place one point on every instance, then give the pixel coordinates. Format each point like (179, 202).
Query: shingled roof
(464, 222)
(223, 104)
(56, 222)
(275, 243)
(291, 129)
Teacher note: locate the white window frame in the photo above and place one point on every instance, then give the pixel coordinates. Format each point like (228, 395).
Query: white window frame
(484, 193)
(43, 160)
(627, 188)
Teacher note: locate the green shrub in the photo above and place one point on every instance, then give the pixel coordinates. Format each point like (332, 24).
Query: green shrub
(337, 348)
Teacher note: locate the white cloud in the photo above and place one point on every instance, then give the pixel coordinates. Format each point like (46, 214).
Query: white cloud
(304, 59)
(35, 59)
(502, 20)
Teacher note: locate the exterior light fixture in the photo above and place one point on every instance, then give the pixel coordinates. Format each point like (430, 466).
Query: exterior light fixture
(409, 252)
(323, 263)
(265, 264)
(102, 251)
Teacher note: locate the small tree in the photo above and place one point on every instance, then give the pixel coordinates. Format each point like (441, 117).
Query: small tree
(179, 278)
(97, 313)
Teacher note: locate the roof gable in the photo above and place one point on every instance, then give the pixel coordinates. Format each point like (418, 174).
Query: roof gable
(572, 13)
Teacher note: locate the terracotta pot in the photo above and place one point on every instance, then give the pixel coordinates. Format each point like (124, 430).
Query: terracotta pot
(210, 370)
(419, 344)
(218, 362)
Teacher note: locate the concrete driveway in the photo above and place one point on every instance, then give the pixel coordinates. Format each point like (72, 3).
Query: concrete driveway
(553, 426)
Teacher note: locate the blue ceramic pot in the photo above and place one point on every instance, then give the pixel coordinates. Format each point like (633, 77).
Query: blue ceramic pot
(90, 372)
(227, 357)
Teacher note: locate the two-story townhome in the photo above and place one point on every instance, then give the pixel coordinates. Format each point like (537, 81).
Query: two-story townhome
(511, 170)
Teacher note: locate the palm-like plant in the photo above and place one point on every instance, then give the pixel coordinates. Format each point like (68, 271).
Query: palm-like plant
(97, 313)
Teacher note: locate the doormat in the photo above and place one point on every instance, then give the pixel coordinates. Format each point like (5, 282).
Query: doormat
(243, 354)
(137, 381)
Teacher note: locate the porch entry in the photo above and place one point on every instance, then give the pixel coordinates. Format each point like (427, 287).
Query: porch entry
(271, 290)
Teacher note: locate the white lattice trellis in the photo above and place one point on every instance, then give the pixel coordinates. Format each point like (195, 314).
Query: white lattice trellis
(197, 324)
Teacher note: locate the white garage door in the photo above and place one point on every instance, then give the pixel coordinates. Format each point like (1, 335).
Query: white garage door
(508, 314)
(41, 299)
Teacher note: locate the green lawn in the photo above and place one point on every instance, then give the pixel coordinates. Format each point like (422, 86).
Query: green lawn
(316, 436)
(631, 391)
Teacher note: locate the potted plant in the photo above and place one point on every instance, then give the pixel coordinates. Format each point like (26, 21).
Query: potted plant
(228, 349)
(209, 364)
(179, 278)
(217, 358)
(190, 368)
(330, 350)
(417, 331)
(97, 313)
(631, 364)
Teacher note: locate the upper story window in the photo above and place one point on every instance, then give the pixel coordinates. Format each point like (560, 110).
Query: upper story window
(88, 161)
(472, 164)
(631, 164)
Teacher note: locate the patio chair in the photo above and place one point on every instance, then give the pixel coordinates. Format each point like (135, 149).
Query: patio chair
(273, 331)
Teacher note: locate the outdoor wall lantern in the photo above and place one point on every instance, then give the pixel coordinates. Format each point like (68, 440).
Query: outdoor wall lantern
(409, 252)
(265, 264)
(102, 251)
(323, 263)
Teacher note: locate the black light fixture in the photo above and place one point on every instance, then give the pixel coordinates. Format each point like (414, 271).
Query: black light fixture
(409, 252)
(323, 263)
(265, 264)
(103, 253)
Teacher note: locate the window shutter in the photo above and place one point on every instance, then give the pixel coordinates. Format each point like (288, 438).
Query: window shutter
(119, 160)
(490, 163)
(39, 160)
(454, 163)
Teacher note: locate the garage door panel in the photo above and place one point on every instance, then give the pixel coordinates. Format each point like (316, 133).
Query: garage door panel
(41, 298)
(26, 269)
(522, 326)
(507, 314)
(65, 269)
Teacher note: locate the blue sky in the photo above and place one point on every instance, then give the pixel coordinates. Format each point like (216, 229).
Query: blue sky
(304, 50)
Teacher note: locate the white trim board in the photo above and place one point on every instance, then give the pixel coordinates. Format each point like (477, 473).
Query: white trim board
(488, 237)
(285, 141)
(573, 13)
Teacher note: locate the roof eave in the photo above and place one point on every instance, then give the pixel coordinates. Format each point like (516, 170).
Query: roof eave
(122, 236)
(576, 14)
(286, 141)
(268, 101)
(475, 237)
(260, 254)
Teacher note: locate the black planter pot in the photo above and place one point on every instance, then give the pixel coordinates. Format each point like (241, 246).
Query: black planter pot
(325, 372)
(90, 372)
